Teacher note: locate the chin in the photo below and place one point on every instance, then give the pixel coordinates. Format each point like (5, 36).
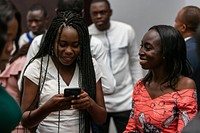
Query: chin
(67, 64)
(100, 28)
(144, 67)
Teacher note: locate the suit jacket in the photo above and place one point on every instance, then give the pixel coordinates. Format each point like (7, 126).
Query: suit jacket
(193, 56)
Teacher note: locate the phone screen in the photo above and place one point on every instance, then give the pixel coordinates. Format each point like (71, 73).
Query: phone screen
(72, 91)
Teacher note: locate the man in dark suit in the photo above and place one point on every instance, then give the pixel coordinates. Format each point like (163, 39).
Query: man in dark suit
(187, 21)
(193, 125)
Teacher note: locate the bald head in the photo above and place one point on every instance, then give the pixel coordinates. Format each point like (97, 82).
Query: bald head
(187, 20)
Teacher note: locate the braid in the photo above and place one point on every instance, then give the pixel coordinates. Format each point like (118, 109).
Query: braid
(85, 64)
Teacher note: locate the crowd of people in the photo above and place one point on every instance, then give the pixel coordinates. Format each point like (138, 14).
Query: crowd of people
(151, 87)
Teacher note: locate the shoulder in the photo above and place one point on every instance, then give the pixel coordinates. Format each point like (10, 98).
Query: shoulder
(23, 35)
(191, 40)
(38, 39)
(36, 42)
(121, 24)
(92, 29)
(123, 28)
(23, 39)
(95, 40)
(26, 35)
(95, 43)
(185, 83)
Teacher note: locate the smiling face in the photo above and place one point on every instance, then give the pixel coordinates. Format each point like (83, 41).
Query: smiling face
(68, 49)
(100, 14)
(150, 51)
(11, 35)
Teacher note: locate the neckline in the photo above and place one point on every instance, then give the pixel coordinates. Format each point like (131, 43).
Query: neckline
(164, 95)
(73, 79)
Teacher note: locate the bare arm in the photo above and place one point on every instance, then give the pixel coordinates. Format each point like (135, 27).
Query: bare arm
(96, 108)
(33, 116)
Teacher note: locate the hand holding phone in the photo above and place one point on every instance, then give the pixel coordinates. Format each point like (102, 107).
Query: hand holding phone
(72, 91)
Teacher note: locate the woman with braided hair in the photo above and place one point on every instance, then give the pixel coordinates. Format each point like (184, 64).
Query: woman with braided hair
(63, 61)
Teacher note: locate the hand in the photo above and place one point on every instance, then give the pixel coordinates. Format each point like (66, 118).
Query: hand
(83, 101)
(58, 102)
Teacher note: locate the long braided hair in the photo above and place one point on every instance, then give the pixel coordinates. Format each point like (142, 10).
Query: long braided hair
(84, 61)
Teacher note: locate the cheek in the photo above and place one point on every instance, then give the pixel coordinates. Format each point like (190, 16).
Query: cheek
(154, 57)
(41, 24)
(78, 51)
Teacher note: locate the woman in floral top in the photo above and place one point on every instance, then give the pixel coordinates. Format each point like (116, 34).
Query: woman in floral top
(164, 100)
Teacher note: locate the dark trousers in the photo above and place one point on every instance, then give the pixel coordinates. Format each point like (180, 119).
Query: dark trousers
(120, 120)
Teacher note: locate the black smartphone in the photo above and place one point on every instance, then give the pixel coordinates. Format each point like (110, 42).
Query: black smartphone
(72, 91)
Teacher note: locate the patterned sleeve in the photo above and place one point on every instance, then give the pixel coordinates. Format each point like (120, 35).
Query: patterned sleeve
(130, 127)
(187, 106)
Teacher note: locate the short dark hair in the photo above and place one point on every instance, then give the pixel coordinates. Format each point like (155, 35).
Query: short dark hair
(106, 1)
(191, 17)
(39, 6)
(70, 5)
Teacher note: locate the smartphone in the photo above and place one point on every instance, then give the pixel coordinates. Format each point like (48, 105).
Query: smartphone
(72, 91)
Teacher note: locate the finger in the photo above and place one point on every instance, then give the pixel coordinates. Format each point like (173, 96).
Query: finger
(80, 106)
(64, 105)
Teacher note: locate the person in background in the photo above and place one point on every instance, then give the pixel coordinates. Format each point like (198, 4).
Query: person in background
(193, 125)
(119, 40)
(63, 61)
(186, 22)
(37, 20)
(164, 100)
(10, 112)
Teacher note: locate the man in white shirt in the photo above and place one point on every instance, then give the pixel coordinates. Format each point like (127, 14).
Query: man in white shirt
(119, 40)
(37, 19)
